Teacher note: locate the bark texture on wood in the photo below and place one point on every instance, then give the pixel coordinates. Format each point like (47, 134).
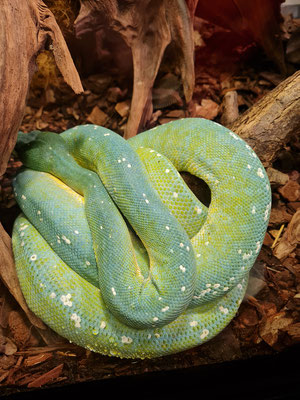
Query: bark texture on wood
(9, 277)
(147, 27)
(25, 28)
(268, 124)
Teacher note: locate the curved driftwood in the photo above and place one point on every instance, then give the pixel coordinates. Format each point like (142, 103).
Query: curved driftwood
(269, 124)
(147, 27)
(26, 27)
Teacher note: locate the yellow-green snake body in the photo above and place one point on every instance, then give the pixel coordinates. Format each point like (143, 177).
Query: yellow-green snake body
(116, 254)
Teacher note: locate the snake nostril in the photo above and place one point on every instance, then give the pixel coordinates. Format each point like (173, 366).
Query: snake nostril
(198, 186)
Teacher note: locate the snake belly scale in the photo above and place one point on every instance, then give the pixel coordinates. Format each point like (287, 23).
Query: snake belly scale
(116, 254)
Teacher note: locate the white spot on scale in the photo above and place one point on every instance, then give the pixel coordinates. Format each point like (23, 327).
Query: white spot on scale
(247, 256)
(23, 227)
(76, 319)
(113, 291)
(66, 240)
(257, 247)
(66, 300)
(193, 323)
(204, 333)
(126, 339)
(260, 173)
(103, 325)
(33, 257)
(223, 310)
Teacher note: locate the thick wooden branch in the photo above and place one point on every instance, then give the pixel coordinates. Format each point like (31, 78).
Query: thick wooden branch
(25, 28)
(148, 27)
(9, 278)
(269, 124)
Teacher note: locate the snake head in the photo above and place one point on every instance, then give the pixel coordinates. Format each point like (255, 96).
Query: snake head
(38, 150)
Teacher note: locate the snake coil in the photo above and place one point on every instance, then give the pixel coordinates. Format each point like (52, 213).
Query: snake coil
(115, 253)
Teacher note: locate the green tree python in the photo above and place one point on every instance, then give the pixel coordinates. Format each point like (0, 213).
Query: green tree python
(116, 254)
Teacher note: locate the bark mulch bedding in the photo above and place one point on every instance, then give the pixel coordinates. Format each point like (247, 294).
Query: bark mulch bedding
(268, 321)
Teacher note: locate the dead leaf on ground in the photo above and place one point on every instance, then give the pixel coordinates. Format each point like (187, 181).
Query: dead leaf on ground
(97, 116)
(290, 239)
(270, 328)
(47, 377)
(208, 109)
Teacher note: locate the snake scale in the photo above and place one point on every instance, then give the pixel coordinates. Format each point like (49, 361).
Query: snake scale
(116, 254)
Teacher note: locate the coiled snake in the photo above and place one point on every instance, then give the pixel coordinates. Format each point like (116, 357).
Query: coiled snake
(116, 254)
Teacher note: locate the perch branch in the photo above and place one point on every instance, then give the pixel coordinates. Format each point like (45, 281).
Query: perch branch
(269, 124)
